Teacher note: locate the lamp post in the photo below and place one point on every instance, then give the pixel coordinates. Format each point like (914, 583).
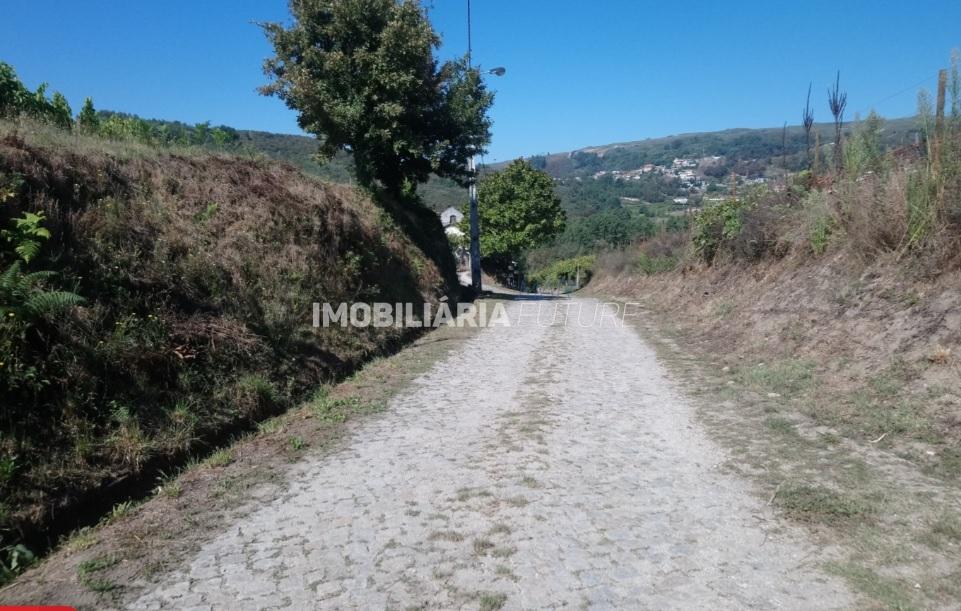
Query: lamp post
(475, 266)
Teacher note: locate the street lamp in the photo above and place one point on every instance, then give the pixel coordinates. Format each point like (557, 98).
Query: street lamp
(475, 266)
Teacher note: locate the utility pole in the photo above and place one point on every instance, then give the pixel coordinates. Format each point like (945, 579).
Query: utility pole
(475, 264)
(475, 254)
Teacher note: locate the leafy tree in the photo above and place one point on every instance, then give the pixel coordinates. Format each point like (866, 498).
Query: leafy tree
(614, 227)
(363, 77)
(58, 111)
(13, 95)
(519, 210)
(865, 151)
(16, 99)
(201, 133)
(88, 119)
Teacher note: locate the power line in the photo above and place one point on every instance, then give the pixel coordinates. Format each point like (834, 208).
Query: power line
(896, 94)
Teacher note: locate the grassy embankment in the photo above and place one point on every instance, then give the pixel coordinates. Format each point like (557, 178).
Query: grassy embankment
(820, 322)
(195, 274)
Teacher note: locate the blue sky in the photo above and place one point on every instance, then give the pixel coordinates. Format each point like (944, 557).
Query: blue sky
(579, 73)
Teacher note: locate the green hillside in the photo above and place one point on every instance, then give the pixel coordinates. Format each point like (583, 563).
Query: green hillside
(763, 145)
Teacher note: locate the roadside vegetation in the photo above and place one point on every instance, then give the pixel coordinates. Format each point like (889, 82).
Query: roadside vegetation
(817, 319)
(157, 279)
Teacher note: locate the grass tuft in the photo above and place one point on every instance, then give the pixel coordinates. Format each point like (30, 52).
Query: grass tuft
(819, 504)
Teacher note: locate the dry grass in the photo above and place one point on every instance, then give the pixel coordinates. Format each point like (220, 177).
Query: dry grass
(198, 271)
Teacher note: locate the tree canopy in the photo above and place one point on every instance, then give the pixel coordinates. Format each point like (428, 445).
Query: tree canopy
(363, 78)
(519, 210)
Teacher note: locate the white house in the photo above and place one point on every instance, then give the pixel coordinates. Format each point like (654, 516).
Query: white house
(451, 217)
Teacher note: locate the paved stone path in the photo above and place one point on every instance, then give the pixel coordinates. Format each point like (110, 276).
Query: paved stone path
(541, 466)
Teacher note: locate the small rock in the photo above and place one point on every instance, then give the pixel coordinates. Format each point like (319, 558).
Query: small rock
(773, 395)
(730, 382)
(725, 369)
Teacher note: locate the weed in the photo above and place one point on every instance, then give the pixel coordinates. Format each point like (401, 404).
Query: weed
(530, 482)
(256, 396)
(482, 546)
(504, 571)
(338, 411)
(791, 376)
(491, 601)
(14, 560)
(207, 213)
(119, 511)
(820, 504)
(940, 355)
(271, 425)
(944, 531)
(821, 224)
(99, 585)
(96, 564)
(517, 501)
(780, 425)
(168, 486)
(500, 529)
(8, 467)
(296, 444)
(446, 535)
(655, 265)
(80, 540)
(724, 309)
(220, 458)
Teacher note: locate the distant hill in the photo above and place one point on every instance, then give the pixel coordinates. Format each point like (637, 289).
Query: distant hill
(763, 145)
(752, 153)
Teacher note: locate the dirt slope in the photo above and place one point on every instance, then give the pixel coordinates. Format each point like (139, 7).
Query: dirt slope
(198, 273)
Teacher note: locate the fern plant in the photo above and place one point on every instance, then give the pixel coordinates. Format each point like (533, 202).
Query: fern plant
(26, 235)
(24, 302)
(22, 296)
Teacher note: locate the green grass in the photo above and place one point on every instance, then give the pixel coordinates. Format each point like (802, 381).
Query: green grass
(819, 504)
(887, 592)
(80, 540)
(220, 458)
(491, 601)
(337, 411)
(271, 425)
(87, 569)
(119, 511)
(789, 377)
(781, 425)
(944, 531)
(446, 535)
(96, 564)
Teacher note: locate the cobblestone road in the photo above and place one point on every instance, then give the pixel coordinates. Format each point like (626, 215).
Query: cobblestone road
(541, 466)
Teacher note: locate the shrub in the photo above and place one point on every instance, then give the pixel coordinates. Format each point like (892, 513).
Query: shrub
(715, 224)
(563, 273)
(818, 222)
(655, 265)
